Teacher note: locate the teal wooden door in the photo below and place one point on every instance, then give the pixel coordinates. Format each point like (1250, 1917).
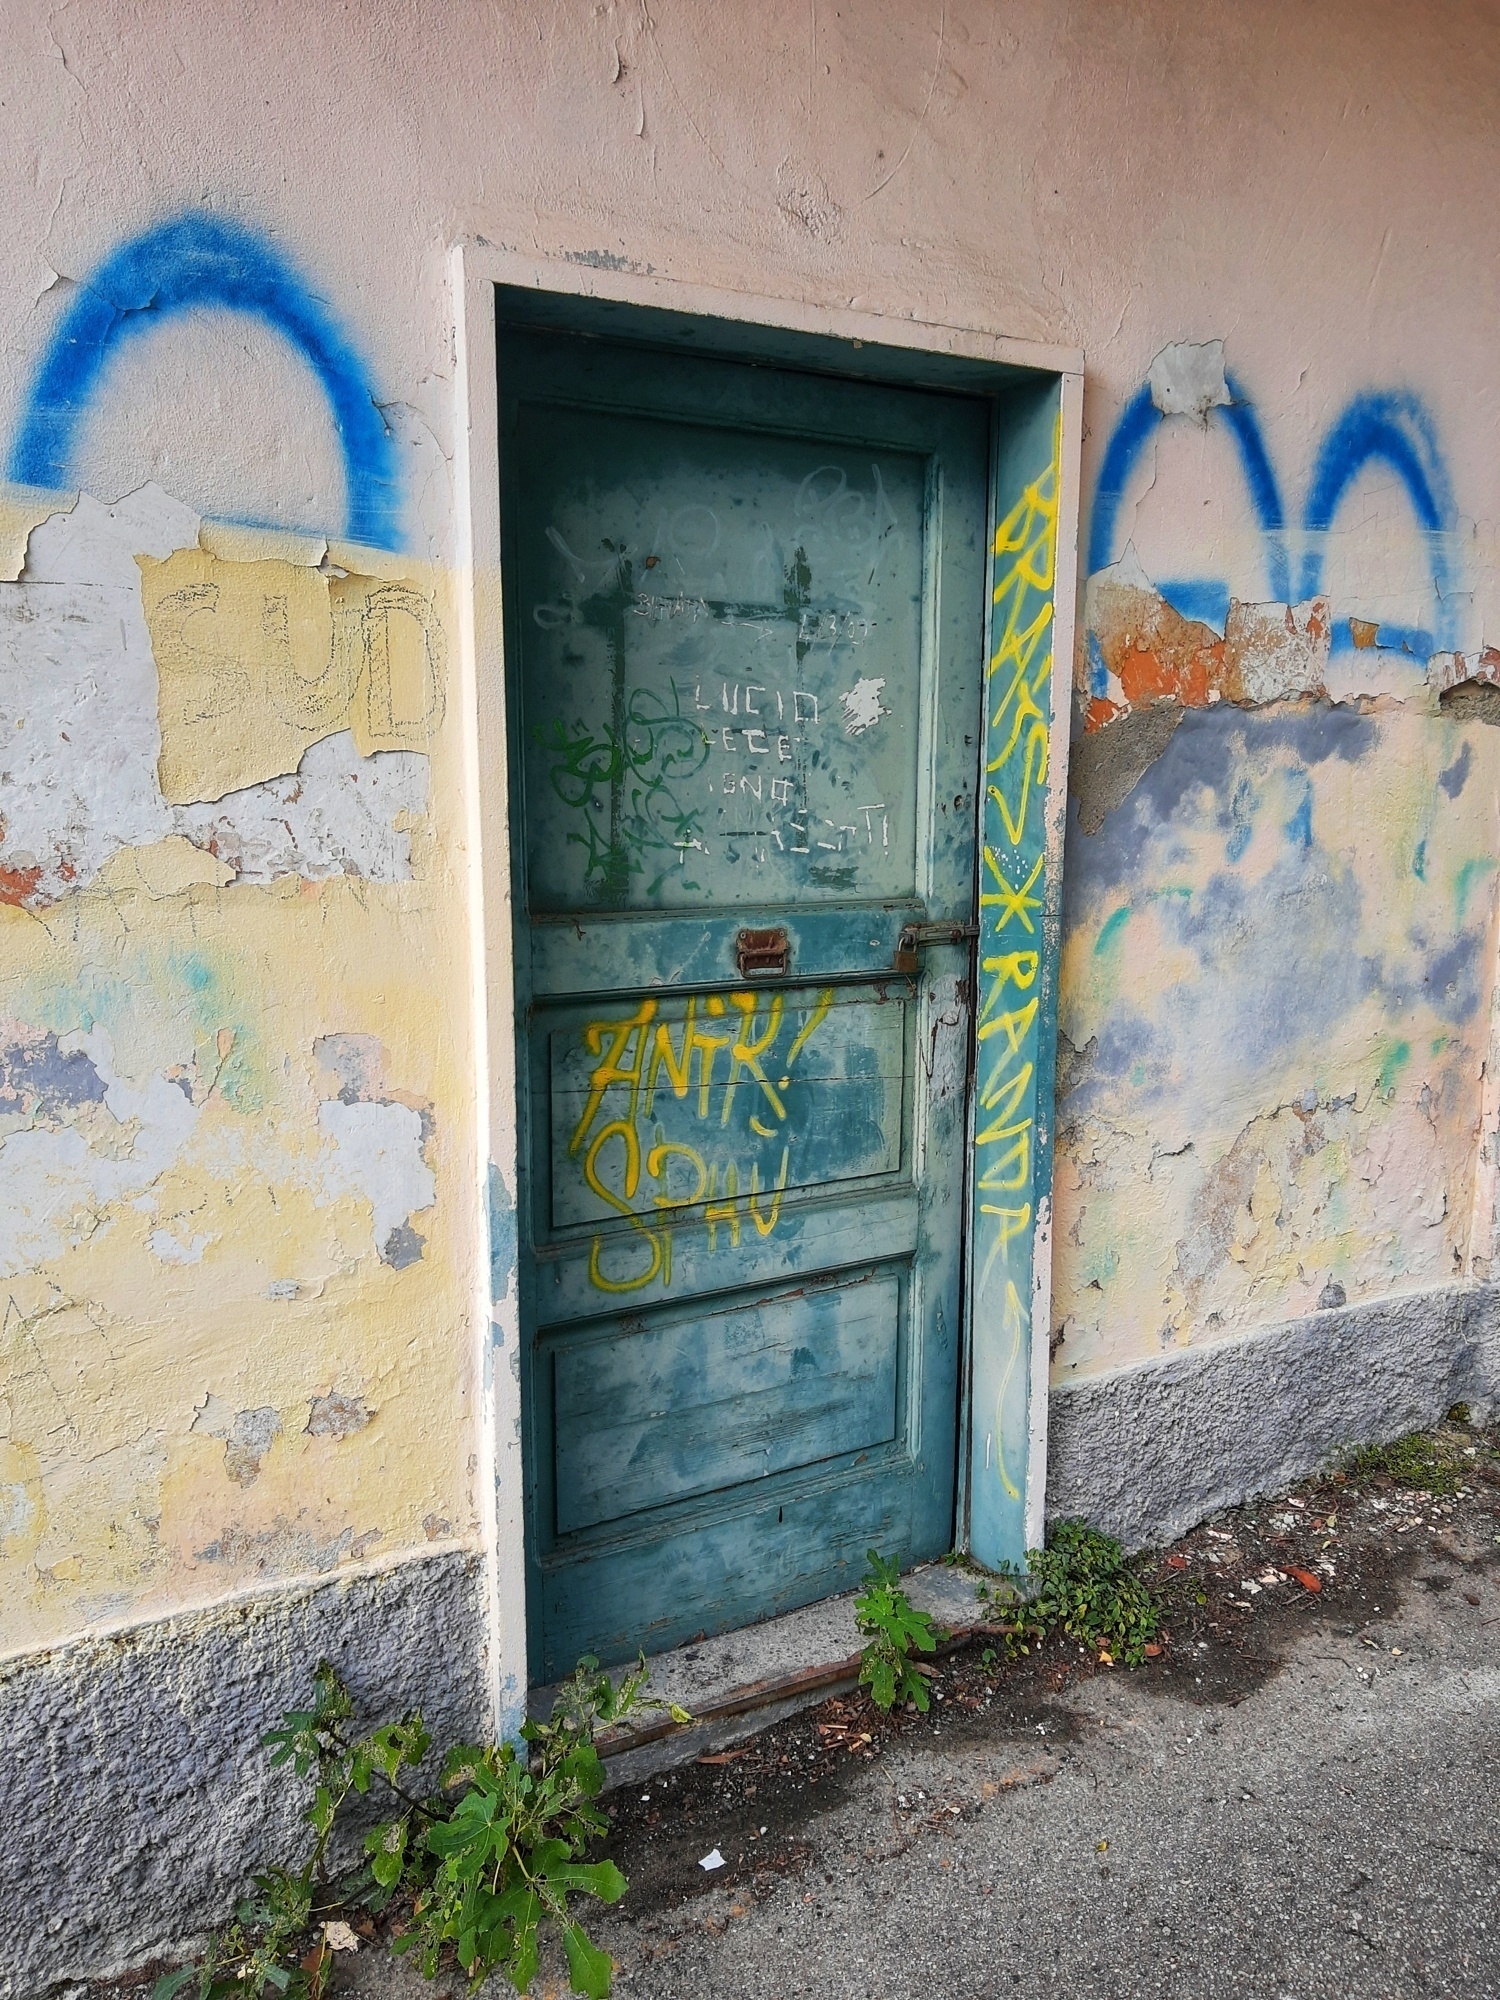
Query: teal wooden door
(745, 619)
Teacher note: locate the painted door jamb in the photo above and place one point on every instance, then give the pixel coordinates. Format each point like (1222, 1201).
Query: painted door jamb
(476, 268)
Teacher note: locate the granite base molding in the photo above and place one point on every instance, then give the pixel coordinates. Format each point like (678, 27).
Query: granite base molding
(1146, 1453)
(136, 1795)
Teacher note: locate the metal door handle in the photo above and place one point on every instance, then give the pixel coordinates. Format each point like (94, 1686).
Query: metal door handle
(763, 954)
(914, 936)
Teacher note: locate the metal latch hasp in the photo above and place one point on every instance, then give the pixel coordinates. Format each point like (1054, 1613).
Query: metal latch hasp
(914, 936)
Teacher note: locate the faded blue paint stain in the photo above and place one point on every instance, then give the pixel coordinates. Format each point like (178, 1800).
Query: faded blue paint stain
(1419, 861)
(1298, 828)
(1456, 776)
(1241, 820)
(194, 263)
(1390, 428)
(38, 1079)
(1265, 495)
(502, 1236)
(1135, 425)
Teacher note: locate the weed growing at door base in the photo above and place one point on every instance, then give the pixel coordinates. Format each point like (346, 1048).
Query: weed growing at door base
(895, 1629)
(1082, 1585)
(489, 1861)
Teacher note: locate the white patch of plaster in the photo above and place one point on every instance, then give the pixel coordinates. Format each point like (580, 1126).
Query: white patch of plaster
(378, 1156)
(335, 815)
(1279, 650)
(863, 707)
(214, 1417)
(97, 544)
(171, 1250)
(1375, 670)
(78, 732)
(1127, 571)
(54, 1187)
(1187, 379)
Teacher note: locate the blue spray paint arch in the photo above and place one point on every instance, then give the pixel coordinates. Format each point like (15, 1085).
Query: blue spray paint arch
(202, 261)
(1390, 428)
(1134, 430)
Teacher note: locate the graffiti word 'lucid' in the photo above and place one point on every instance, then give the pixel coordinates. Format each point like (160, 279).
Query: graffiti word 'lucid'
(194, 264)
(1014, 859)
(639, 1056)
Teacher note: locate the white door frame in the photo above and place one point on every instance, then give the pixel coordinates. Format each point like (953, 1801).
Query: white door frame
(476, 269)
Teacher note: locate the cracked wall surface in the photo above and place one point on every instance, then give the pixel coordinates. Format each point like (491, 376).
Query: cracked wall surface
(1279, 962)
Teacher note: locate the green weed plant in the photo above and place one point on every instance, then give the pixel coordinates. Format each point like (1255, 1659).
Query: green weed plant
(894, 1630)
(1413, 1461)
(1080, 1584)
(491, 1861)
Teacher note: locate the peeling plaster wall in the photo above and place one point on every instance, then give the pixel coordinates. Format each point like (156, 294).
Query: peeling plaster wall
(236, 1257)
(239, 1225)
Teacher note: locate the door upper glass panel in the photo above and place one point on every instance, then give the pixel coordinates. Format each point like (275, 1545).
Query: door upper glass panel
(721, 640)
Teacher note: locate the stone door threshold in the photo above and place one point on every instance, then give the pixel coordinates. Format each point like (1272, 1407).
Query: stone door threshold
(741, 1682)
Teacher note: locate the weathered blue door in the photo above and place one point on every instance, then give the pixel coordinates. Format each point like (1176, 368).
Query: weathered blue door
(745, 616)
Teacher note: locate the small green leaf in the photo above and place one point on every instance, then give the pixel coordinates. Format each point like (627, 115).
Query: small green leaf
(173, 1982)
(590, 1970)
(590, 1878)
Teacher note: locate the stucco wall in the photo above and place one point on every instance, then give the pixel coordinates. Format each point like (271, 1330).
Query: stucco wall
(239, 1219)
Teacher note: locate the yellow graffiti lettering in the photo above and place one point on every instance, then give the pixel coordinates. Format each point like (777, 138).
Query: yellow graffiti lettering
(1020, 966)
(612, 1070)
(656, 1167)
(708, 1047)
(1002, 1094)
(680, 1073)
(618, 1128)
(766, 1225)
(1004, 1098)
(1011, 902)
(643, 1054)
(1013, 1169)
(745, 1055)
(727, 1210)
(1014, 1025)
(1012, 1221)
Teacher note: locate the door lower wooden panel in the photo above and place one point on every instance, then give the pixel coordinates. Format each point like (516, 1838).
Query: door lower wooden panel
(679, 1404)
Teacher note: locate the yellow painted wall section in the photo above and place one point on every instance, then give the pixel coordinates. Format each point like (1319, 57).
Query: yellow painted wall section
(236, 1147)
